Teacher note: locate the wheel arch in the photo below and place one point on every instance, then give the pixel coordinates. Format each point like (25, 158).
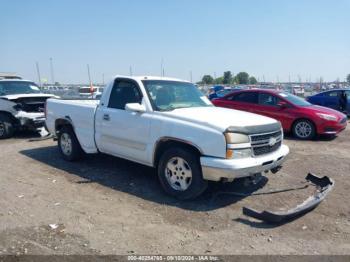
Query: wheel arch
(8, 114)
(62, 122)
(164, 143)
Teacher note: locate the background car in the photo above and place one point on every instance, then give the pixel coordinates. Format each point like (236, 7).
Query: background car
(214, 90)
(296, 115)
(331, 99)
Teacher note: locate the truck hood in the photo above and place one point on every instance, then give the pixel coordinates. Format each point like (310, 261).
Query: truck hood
(221, 118)
(17, 96)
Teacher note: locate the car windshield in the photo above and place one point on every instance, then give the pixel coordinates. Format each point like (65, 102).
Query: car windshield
(295, 100)
(170, 95)
(18, 87)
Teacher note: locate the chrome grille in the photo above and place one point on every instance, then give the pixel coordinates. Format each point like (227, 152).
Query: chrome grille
(266, 143)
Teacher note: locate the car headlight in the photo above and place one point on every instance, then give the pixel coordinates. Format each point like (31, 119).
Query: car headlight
(327, 117)
(236, 138)
(238, 153)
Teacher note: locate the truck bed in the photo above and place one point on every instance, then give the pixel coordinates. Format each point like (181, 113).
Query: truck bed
(81, 113)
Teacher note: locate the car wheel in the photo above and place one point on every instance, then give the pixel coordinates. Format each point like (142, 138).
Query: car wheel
(6, 127)
(180, 174)
(68, 144)
(304, 129)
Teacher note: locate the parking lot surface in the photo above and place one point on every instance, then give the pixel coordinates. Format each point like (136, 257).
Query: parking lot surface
(106, 205)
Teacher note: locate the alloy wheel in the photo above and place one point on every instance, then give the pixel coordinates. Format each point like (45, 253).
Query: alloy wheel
(178, 174)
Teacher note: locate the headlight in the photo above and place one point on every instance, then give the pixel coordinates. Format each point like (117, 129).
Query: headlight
(236, 138)
(238, 153)
(327, 117)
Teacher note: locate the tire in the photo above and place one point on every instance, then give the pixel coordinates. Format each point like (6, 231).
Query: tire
(304, 129)
(6, 127)
(180, 173)
(68, 144)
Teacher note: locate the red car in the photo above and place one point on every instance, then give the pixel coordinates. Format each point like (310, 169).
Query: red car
(296, 115)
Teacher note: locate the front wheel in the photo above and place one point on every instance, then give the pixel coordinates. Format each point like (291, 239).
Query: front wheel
(304, 129)
(6, 127)
(180, 174)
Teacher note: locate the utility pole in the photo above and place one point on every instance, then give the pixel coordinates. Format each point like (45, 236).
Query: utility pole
(52, 73)
(103, 79)
(38, 72)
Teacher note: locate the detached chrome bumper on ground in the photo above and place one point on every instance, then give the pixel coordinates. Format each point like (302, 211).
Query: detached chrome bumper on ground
(324, 186)
(215, 169)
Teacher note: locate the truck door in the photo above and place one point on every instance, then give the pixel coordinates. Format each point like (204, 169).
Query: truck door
(119, 132)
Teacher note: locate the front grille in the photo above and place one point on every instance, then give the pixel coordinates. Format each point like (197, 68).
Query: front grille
(343, 120)
(263, 144)
(262, 150)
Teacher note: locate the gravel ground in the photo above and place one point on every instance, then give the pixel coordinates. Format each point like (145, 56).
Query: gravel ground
(106, 205)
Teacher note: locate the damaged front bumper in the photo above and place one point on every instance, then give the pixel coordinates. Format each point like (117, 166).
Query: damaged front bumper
(324, 185)
(31, 120)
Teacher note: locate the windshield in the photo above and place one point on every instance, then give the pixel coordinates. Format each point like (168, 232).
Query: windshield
(18, 87)
(170, 95)
(295, 100)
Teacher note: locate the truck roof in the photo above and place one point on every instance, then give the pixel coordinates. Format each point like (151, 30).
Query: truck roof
(9, 76)
(15, 80)
(152, 78)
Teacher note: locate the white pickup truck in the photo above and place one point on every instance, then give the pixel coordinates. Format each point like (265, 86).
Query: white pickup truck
(168, 124)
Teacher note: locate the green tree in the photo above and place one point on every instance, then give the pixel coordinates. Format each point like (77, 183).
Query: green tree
(348, 78)
(227, 78)
(242, 78)
(207, 80)
(219, 80)
(252, 80)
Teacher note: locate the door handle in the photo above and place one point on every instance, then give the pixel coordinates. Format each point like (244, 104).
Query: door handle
(106, 117)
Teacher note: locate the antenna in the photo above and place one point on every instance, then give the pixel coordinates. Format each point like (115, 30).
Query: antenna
(161, 67)
(52, 74)
(130, 71)
(91, 87)
(191, 76)
(38, 72)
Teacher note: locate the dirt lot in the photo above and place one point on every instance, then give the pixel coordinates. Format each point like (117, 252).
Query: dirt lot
(106, 205)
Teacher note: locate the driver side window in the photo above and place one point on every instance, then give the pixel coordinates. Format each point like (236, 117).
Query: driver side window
(268, 100)
(124, 92)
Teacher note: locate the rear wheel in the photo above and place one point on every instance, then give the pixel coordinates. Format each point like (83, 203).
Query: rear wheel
(69, 145)
(304, 129)
(180, 173)
(6, 127)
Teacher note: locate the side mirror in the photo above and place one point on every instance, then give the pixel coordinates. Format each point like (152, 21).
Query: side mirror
(135, 107)
(282, 105)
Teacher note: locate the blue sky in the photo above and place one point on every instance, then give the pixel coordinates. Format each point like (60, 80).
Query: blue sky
(270, 38)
